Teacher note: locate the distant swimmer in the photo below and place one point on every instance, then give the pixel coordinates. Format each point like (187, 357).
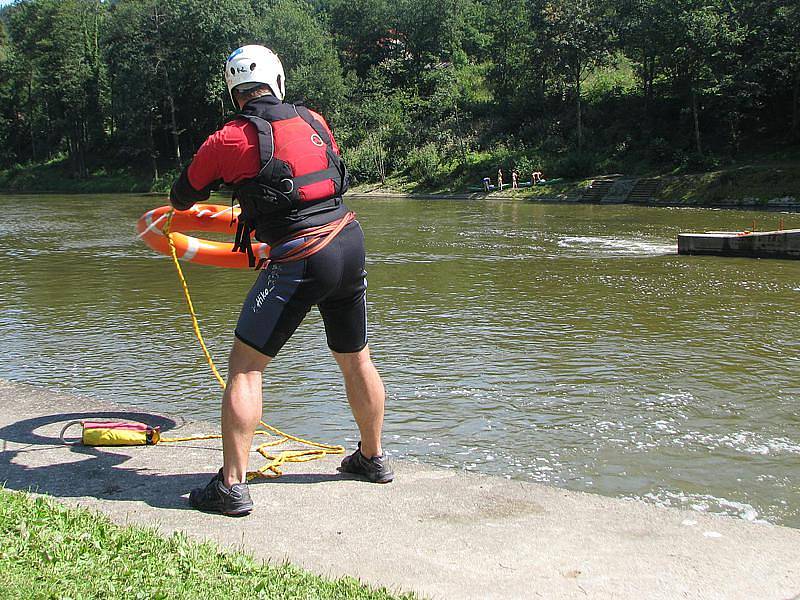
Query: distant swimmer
(500, 179)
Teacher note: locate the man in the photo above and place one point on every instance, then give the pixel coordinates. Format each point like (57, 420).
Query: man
(288, 177)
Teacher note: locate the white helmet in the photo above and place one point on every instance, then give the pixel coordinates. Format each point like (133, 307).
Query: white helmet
(251, 65)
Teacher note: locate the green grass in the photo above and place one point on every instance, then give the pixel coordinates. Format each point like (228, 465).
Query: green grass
(50, 551)
(752, 182)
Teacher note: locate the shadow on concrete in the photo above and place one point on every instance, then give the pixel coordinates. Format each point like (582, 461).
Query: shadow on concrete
(307, 478)
(89, 471)
(24, 432)
(100, 472)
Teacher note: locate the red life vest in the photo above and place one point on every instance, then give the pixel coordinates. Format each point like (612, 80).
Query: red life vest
(297, 154)
(301, 171)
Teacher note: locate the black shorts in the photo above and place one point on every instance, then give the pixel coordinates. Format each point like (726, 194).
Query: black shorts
(334, 279)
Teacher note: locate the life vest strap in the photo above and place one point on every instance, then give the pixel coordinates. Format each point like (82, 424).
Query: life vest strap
(306, 115)
(243, 244)
(315, 176)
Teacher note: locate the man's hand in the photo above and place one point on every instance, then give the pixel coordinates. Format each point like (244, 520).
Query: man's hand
(179, 204)
(183, 196)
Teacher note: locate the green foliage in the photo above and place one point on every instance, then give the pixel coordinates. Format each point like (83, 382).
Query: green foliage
(571, 86)
(314, 73)
(50, 551)
(423, 163)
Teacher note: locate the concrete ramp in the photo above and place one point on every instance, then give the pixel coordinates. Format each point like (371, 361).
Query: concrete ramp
(441, 533)
(760, 244)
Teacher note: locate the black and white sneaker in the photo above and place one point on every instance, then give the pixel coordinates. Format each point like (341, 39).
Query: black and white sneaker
(216, 497)
(375, 469)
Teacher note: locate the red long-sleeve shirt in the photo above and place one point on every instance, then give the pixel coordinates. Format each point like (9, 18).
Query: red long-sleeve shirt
(231, 154)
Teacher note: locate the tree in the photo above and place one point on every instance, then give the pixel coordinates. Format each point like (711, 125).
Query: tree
(313, 70)
(58, 40)
(702, 32)
(580, 38)
(136, 89)
(363, 31)
(781, 33)
(644, 27)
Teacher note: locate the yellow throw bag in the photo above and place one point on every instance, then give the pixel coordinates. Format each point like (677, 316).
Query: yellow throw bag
(115, 433)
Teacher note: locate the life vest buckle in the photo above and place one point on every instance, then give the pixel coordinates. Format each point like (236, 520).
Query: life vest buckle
(287, 189)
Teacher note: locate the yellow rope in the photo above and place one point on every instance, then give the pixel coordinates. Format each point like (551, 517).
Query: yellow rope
(318, 450)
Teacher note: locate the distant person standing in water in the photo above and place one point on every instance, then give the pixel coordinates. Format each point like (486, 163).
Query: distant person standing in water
(500, 179)
(514, 179)
(288, 177)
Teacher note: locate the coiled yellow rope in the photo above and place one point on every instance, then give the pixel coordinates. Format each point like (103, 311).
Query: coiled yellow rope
(273, 468)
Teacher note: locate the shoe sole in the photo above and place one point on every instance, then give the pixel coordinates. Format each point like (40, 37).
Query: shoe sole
(235, 513)
(366, 477)
(240, 513)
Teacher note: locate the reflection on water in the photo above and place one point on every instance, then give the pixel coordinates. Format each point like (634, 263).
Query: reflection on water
(563, 344)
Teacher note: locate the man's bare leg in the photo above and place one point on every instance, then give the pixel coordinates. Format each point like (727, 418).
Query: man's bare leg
(241, 409)
(366, 395)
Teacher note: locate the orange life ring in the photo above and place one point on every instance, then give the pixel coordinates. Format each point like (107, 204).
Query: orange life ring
(201, 217)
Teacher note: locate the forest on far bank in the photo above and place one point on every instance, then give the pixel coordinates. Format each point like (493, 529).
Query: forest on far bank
(433, 91)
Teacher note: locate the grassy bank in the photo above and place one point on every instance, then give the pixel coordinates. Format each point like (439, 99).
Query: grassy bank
(56, 176)
(748, 185)
(752, 186)
(50, 551)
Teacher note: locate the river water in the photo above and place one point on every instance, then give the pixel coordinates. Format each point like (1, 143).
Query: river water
(565, 344)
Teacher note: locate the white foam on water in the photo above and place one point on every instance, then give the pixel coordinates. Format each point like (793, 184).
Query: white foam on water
(618, 246)
(747, 442)
(704, 503)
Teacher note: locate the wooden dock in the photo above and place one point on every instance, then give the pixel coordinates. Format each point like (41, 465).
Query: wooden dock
(754, 244)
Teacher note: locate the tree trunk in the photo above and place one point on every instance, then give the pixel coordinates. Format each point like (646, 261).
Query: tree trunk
(380, 161)
(168, 86)
(112, 122)
(735, 133)
(460, 135)
(152, 144)
(77, 154)
(650, 70)
(696, 119)
(795, 107)
(578, 109)
(173, 122)
(30, 118)
(71, 152)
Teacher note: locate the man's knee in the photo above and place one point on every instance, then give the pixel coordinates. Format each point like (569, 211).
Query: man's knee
(244, 359)
(352, 362)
